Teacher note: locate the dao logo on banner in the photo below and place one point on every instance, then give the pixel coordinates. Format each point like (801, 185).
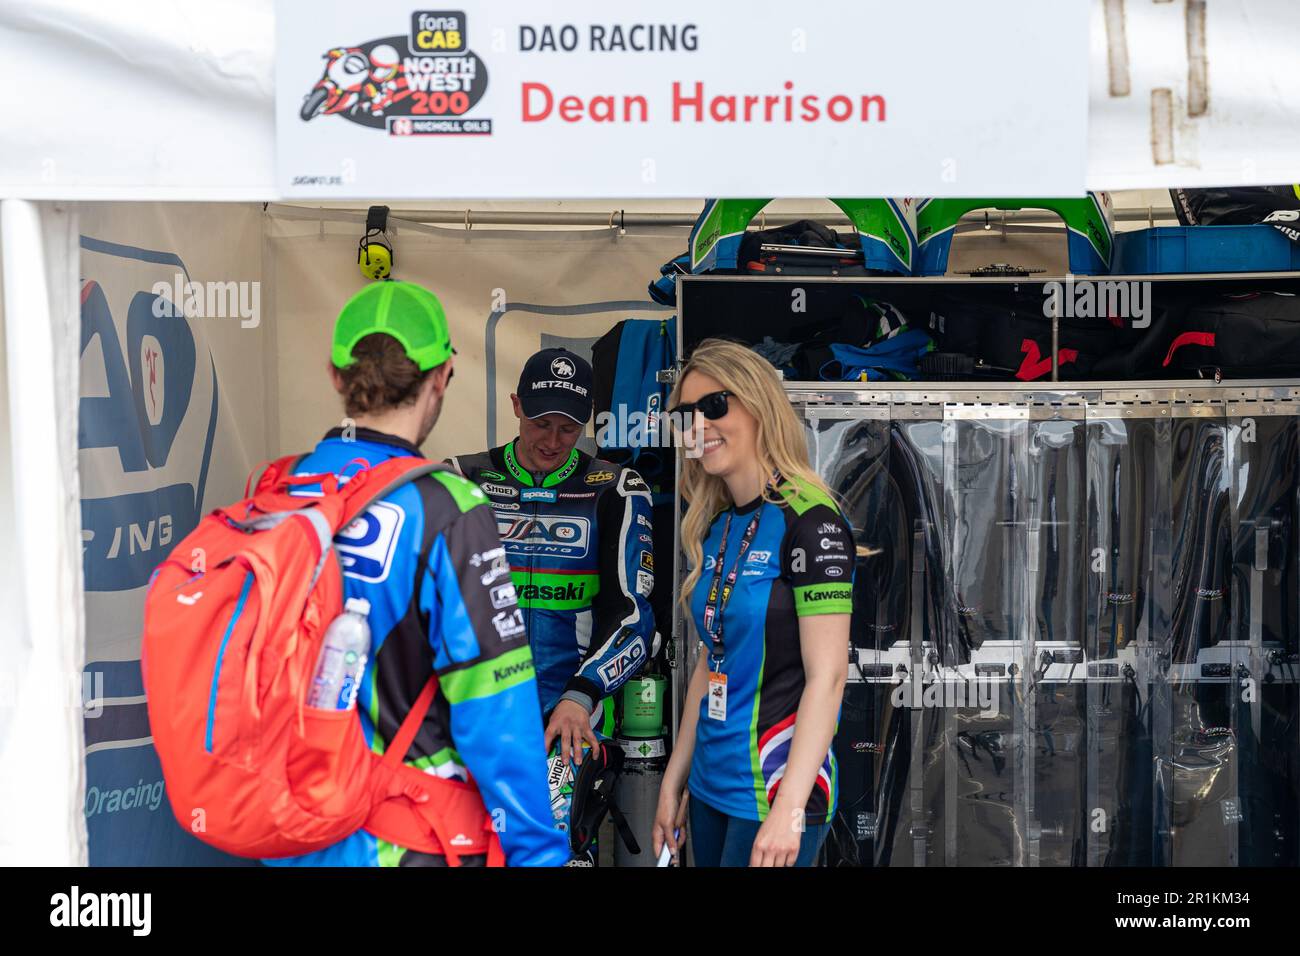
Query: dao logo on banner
(420, 84)
(148, 415)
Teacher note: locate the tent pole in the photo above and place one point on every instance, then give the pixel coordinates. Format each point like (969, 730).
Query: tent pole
(42, 821)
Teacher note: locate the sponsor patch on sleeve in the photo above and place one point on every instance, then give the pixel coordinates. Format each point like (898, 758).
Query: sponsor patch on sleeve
(503, 595)
(367, 545)
(823, 599)
(509, 623)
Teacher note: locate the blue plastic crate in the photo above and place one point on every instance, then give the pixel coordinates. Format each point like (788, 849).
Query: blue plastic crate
(1259, 248)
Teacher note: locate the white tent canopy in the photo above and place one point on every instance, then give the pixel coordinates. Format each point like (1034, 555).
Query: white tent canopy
(154, 100)
(174, 100)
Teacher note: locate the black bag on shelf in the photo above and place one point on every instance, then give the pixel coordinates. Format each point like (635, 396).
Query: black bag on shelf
(1014, 342)
(807, 234)
(1278, 206)
(1236, 336)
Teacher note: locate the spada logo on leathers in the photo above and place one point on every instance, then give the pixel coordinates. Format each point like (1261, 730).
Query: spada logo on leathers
(420, 84)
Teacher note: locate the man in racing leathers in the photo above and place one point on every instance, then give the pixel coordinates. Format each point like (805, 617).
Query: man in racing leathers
(577, 532)
(427, 559)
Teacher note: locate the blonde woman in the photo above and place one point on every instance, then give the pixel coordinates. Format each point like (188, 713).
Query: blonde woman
(770, 593)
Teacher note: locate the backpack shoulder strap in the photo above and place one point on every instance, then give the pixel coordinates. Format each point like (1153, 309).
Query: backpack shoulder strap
(270, 471)
(383, 479)
(397, 748)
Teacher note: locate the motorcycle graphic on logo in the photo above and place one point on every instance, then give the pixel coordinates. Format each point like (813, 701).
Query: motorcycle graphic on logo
(362, 82)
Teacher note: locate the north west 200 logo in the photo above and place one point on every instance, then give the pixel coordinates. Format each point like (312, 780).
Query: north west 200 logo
(421, 84)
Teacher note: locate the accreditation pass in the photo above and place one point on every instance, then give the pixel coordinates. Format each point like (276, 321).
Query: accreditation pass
(717, 695)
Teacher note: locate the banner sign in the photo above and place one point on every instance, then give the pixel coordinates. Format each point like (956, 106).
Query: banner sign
(519, 100)
(162, 438)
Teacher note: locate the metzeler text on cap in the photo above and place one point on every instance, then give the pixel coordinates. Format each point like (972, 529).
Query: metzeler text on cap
(556, 380)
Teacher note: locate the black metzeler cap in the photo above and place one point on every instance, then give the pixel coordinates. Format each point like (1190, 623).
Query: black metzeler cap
(556, 380)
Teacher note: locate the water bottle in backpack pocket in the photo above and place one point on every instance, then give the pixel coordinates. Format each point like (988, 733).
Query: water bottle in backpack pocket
(342, 659)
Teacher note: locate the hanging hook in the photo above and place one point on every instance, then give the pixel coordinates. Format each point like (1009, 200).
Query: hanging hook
(468, 225)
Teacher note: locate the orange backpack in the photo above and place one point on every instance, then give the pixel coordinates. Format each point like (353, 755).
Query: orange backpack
(233, 624)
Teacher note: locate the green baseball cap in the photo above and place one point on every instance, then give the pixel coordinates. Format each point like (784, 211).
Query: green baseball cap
(408, 312)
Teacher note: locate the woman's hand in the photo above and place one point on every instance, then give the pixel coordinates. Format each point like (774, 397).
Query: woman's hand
(778, 840)
(670, 820)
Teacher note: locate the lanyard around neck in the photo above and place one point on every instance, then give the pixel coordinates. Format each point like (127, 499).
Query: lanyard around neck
(717, 599)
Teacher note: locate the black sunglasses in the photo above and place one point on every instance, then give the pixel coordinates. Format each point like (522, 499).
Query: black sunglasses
(712, 406)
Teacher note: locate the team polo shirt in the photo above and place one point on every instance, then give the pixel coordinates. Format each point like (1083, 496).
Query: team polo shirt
(800, 563)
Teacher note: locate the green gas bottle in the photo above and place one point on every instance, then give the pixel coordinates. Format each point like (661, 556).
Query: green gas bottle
(643, 737)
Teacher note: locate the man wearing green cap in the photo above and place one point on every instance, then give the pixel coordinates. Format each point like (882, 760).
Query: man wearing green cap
(427, 559)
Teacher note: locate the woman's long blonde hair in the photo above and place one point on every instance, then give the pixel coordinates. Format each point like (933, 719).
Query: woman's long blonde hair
(781, 442)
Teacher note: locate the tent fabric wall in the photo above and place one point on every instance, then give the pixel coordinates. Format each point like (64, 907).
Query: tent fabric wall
(41, 633)
(174, 413)
(506, 293)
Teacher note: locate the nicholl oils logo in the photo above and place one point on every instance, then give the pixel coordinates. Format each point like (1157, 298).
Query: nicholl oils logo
(421, 84)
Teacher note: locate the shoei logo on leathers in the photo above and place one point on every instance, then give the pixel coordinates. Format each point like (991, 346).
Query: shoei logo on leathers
(548, 535)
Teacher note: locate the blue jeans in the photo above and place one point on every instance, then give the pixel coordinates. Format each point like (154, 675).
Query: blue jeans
(722, 840)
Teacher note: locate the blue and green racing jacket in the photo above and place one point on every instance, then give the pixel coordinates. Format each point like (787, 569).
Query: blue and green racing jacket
(458, 616)
(582, 559)
(800, 563)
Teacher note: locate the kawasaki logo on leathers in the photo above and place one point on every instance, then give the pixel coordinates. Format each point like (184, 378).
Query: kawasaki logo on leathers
(502, 673)
(553, 592)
